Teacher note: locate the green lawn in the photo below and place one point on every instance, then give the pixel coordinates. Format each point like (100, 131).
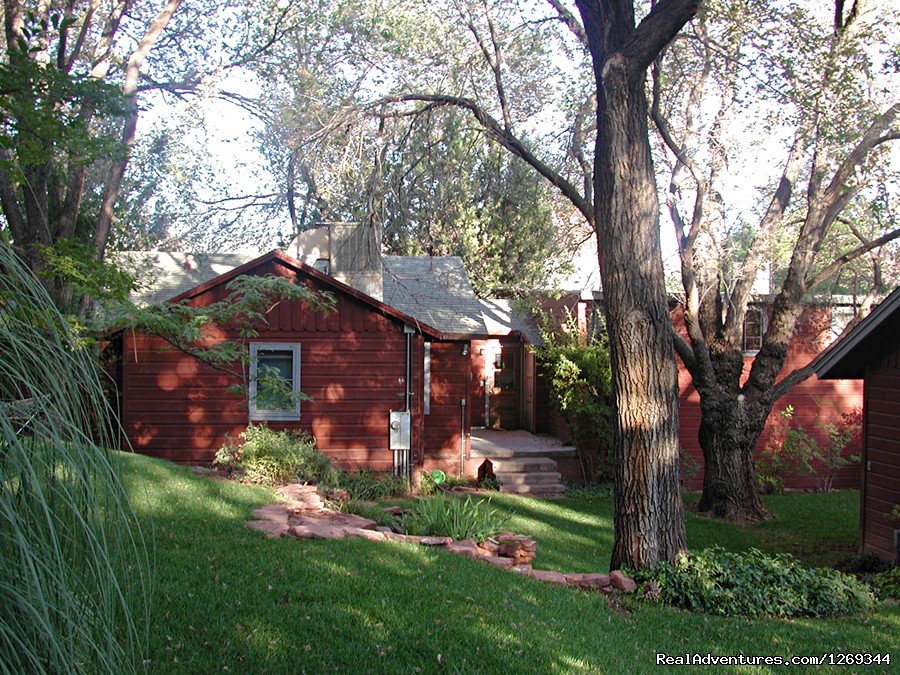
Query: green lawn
(228, 599)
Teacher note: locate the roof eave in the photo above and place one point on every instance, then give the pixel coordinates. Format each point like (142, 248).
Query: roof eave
(843, 359)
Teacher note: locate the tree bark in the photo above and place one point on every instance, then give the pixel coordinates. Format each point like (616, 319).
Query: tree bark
(730, 427)
(649, 514)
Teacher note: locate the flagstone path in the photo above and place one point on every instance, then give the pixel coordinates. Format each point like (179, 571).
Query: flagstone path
(304, 515)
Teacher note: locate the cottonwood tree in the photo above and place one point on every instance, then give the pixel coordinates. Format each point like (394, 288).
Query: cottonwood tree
(429, 180)
(72, 72)
(810, 79)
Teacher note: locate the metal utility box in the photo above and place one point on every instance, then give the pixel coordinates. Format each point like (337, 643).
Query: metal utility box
(400, 428)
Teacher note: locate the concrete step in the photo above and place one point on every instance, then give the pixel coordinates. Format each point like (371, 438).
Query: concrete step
(520, 464)
(543, 491)
(493, 452)
(531, 478)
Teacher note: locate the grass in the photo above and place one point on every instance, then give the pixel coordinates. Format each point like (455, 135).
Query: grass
(229, 599)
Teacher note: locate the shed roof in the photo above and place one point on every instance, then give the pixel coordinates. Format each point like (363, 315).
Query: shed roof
(848, 357)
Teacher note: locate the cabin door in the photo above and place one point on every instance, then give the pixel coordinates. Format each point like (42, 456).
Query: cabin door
(504, 394)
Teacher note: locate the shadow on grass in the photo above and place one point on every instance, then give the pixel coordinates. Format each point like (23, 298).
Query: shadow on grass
(227, 597)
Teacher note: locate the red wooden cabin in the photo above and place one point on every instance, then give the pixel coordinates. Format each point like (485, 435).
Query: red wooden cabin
(358, 364)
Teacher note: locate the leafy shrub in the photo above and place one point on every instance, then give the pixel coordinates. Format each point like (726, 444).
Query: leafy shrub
(579, 375)
(887, 584)
(442, 516)
(367, 485)
(752, 583)
(790, 450)
(489, 483)
(276, 457)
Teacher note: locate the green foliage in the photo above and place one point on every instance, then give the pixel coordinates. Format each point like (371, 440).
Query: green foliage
(788, 452)
(438, 481)
(46, 110)
(74, 586)
(276, 457)
(579, 376)
(715, 581)
(454, 517)
(367, 485)
(219, 581)
(840, 434)
(590, 493)
(489, 484)
(791, 451)
(886, 585)
(73, 263)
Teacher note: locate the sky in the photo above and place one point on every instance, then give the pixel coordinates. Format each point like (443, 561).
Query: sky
(235, 157)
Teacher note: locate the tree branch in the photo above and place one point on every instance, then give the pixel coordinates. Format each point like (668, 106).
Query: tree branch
(657, 30)
(839, 262)
(82, 35)
(684, 351)
(129, 128)
(570, 20)
(504, 137)
(794, 378)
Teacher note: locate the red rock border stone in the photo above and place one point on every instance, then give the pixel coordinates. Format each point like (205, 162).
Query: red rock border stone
(305, 516)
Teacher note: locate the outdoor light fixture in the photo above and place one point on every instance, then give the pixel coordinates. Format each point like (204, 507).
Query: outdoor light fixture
(465, 351)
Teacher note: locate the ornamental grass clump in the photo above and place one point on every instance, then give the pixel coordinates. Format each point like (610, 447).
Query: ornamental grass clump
(74, 588)
(442, 516)
(752, 583)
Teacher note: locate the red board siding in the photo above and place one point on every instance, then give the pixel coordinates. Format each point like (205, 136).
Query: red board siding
(178, 408)
(813, 400)
(881, 480)
(447, 423)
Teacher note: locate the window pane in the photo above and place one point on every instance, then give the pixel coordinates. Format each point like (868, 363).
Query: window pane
(753, 330)
(275, 379)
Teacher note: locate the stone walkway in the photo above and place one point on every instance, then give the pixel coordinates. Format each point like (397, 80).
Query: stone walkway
(304, 515)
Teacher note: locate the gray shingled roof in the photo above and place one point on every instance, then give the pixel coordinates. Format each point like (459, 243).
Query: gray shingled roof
(502, 318)
(433, 290)
(162, 275)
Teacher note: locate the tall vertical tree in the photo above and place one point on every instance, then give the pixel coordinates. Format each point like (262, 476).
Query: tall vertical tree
(649, 513)
(59, 57)
(492, 63)
(71, 72)
(812, 79)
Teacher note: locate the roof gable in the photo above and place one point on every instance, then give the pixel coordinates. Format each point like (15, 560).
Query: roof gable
(431, 293)
(296, 266)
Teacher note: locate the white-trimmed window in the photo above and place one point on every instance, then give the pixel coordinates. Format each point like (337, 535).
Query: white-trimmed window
(754, 329)
(274, 381)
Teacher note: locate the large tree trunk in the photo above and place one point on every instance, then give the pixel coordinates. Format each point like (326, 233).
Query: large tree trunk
(649, 514)
(730, 427)
(649, 518)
